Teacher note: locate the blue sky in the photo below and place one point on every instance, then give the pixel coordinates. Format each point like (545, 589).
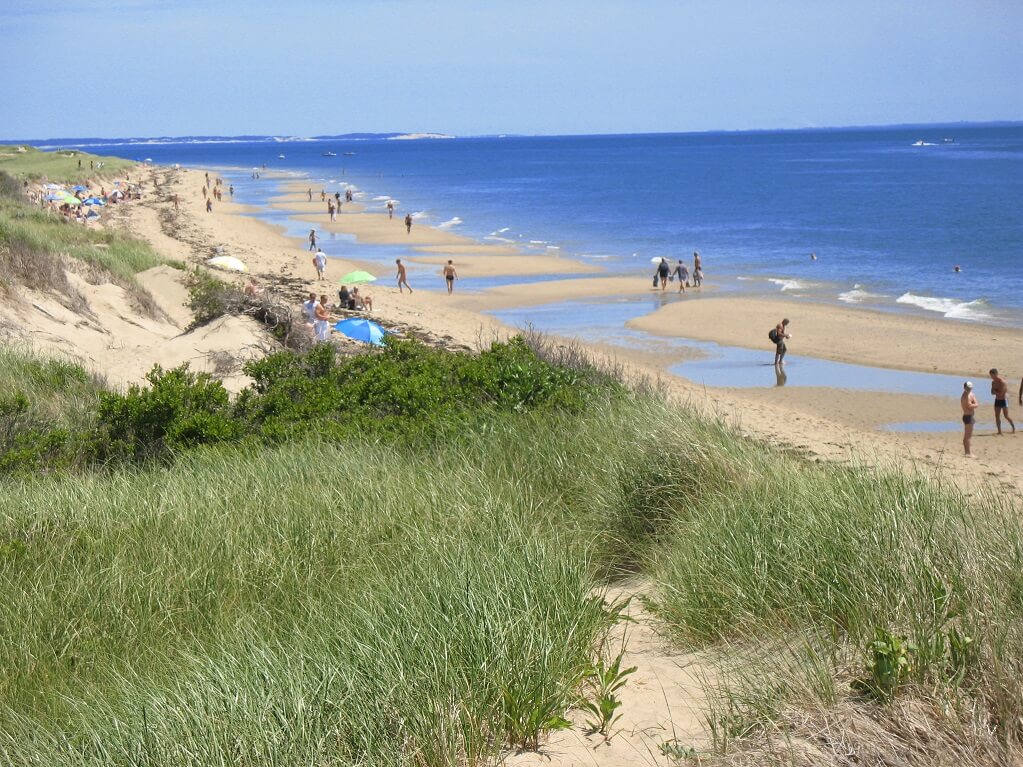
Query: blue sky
(163, 67)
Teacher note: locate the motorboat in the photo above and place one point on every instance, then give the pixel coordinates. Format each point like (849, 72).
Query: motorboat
(280, 157)
(330, 154)
(349, 154)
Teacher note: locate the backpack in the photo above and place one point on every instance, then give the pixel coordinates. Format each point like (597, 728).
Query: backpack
(773, 335)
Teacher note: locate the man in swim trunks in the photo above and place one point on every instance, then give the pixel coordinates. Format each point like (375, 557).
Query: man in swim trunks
(450, 275)
(682, 272)
(312, 239)
(408, 223)
(1000, 390)
(781, 333)
(663, 272)
(969, 404)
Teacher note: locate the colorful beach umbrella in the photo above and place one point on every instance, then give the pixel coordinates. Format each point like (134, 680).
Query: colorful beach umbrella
(70, 199)
(366, 331)
(354, 278)
(93, 201)
(228, 263)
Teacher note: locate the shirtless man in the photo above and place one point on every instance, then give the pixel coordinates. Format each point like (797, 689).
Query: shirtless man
(1000, 390)
(408, 223)
(969, 404)
(390, 209)
(312, 239)
(781, 330)
(402, 278)
(450, 275)
(697, 270)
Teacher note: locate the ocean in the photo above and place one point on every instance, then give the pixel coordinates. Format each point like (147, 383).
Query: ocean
(889, 213)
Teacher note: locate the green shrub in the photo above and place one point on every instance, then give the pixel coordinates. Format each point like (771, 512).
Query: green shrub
(179, 409)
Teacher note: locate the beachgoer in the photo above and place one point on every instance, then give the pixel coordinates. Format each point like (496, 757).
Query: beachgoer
(320, 262)
(321, 320)
(450, 275)
(663, 272)
(813, 256)
(209, 206)
(1021, 391)
(323, 195)
(252, 289)
(401, 276)
(780, 334)
(312, 239)
(344, 298)
(175, 201)
(682, 272)
(1000, 390)
(362, 300)
(390, 209)
(309, 191)
(309, 308)
(337, 200)
(205, 192)
(956, 269)
(697, 270)
(331, 210)
(207, 179)
(968, 401)
(230, 191)
(408, 223)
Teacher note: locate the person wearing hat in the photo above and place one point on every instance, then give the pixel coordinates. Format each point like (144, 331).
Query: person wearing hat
(969, 404)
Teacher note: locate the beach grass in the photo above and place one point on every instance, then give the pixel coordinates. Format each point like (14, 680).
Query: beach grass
(60, 166)
(380, 600)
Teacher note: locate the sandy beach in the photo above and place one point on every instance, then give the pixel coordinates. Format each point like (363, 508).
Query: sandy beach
(829, 423)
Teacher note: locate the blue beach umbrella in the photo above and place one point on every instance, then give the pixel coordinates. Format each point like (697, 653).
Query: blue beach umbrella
(79, 188)
(93, 201)
(362, 330)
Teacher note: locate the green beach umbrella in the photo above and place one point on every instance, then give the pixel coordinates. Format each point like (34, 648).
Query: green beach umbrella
(70, 199)
(354, 278)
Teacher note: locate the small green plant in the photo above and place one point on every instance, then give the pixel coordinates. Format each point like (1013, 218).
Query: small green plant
(677, 752)
(604, 681)
(963, 655)
(889, 664)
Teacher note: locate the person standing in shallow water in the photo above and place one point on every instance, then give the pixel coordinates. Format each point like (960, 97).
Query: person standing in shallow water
(781, 332)
(312, 239)
(969, 404)
(402, 277)
(697, 270)
(663, 271)
(450, 275)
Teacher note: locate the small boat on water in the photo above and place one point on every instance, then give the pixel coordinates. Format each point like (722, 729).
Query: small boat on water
(349, 154)
(280, 157)
(919, 143)
(330, 154)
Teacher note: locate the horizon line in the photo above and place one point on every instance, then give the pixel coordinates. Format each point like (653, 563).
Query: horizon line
(710, 131)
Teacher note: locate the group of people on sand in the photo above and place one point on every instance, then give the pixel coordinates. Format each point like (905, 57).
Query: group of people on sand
(665, 274)
(317, 310)
(449, 272)
(71, 203)
(968, 402)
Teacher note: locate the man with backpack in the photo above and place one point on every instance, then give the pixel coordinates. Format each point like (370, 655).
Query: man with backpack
(778, 335)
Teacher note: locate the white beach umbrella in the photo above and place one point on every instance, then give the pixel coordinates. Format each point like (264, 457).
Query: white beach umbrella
(228, 263)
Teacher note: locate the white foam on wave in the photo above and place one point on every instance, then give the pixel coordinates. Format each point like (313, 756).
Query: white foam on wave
(858, 295)
(553, 247)
(787, 285)
(420, 214)
(503, 230)
(449, 223)
(493, 238)
(381, 198)
(951, 308)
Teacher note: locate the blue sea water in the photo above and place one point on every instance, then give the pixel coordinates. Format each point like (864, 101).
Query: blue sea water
(887, 216)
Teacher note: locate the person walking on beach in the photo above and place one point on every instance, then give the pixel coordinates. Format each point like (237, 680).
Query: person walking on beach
(1000, 390)
(969, 404)
(450, 275)
(697, 270)
(390, 209)
(331, 210)
(402, 277)
(682, 272)
(663, 272)
(778, 335)
(320, 262)
(408, 223)
(230, 191)
(309, 191)
(175, 203)
(337, 200)
(312, 239)
(209, 206)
